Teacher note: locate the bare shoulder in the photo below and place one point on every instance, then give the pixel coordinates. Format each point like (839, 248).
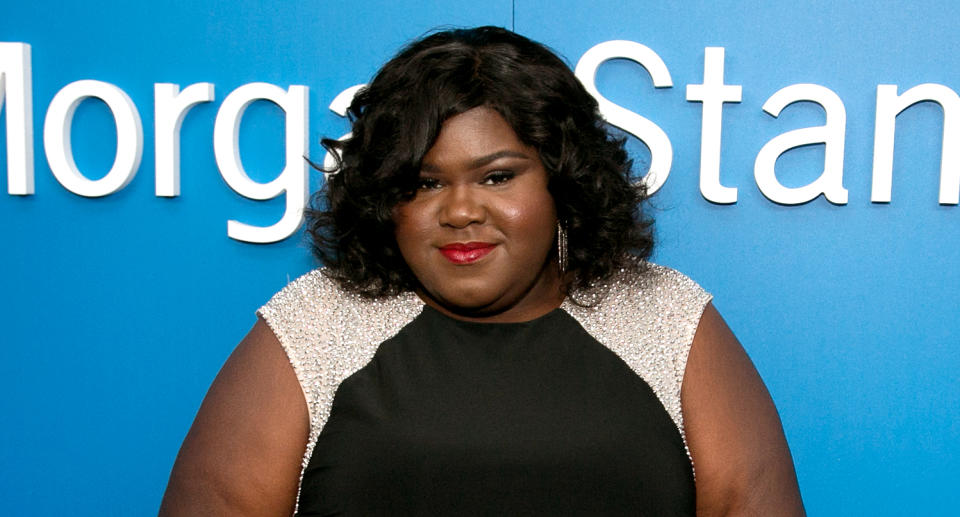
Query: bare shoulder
(242, 455)
(743, 465)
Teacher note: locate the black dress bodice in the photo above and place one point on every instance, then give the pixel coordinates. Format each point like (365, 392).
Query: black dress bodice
(461, 418)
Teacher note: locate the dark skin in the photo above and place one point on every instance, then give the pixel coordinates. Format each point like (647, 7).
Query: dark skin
(743, 464)
(243, 454)
(480, 183)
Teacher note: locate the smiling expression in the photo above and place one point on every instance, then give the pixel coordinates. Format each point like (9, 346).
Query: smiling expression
(479, 232)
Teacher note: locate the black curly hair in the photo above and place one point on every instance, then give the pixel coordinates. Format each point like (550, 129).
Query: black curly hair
(397, 117)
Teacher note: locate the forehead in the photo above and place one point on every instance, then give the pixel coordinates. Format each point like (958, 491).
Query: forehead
(474, 134)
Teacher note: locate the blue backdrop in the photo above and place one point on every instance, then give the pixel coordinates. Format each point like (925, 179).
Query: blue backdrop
(118, 311)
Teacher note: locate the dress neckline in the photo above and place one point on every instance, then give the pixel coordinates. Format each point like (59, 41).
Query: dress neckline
(547, 316)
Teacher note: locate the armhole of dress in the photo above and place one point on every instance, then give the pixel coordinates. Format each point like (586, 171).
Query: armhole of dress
(656, 303)
(703, 300)
(288, 352)
(266, 313)
(356, 325)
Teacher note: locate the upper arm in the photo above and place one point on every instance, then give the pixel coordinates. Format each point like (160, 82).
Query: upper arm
(743, 465)
(242, 456)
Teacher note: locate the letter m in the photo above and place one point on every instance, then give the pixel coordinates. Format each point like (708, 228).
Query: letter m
(16, 90)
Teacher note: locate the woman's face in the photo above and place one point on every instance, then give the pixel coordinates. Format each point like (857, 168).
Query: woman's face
(479, 231)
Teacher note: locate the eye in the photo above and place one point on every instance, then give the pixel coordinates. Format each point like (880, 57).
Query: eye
(427, 184)
(497, 177)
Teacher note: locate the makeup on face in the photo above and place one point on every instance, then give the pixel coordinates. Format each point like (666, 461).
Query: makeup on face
(466, 252)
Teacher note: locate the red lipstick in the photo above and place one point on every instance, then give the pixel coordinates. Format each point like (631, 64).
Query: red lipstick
(466, 252)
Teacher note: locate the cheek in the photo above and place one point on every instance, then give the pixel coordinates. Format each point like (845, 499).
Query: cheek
(540, 211)
(402, 228)
(533, 220)
(410, 228)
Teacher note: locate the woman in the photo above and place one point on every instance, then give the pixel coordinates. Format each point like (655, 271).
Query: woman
(485, 337)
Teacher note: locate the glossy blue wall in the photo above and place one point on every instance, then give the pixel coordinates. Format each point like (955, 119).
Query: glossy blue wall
(118, 311)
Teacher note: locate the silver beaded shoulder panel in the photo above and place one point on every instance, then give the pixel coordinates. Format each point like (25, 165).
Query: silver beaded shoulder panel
(328, 334)
(647, 315)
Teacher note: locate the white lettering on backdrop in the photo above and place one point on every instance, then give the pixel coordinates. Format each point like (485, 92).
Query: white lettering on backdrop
(293, 179)
(831, 134)
(713, 93)
(339, 105)
(661, 151)
(889, 105)
(56, 138)
(15, 76)
(171, 105)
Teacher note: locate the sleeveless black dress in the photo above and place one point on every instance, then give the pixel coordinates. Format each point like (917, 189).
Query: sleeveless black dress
(417, 413)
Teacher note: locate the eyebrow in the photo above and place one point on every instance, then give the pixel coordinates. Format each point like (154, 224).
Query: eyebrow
(483, 160)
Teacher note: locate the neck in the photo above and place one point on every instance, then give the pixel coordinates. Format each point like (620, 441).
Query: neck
(545, 295)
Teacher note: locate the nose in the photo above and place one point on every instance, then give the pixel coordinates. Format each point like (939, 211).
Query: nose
(461, 206)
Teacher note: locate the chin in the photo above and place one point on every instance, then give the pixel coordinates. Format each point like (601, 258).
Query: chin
(469, 299)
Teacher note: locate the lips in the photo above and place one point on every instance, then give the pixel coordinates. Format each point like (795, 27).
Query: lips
(466, 252)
